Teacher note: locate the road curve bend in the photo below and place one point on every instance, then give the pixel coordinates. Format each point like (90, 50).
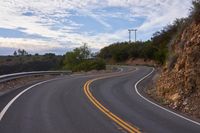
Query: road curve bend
(64, 105)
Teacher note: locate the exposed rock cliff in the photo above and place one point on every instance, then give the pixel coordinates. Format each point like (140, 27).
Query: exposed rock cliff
(179, 83)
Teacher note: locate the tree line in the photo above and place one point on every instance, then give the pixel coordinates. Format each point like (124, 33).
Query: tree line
(79, 59)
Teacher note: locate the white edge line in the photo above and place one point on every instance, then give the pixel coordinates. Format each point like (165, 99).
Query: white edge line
(136, 89)
(17, 96)
(2, 113)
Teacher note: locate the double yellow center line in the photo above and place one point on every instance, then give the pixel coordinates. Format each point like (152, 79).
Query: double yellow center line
(126, 126)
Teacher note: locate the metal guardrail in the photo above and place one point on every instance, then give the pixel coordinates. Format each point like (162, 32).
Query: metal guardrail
(8, 77)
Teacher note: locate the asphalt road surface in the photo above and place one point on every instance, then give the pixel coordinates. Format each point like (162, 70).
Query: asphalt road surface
(62, 106)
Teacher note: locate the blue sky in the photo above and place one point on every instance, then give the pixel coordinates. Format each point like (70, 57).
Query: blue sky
(41, 26)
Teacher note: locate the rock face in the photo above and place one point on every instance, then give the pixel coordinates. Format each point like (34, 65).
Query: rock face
(179, 83)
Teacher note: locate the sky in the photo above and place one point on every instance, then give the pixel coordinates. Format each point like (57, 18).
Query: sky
(58, 26)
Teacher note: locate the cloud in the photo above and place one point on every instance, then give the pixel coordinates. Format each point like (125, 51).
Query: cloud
(29, 44)
(51, 19)
(163, 12)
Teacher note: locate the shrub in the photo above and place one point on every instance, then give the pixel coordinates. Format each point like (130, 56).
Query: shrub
(195, 13)
(78, 60)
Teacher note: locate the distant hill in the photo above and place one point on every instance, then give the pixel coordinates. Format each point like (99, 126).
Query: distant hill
(13, 64)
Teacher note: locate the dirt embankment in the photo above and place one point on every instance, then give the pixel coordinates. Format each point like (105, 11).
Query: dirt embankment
(179, 83)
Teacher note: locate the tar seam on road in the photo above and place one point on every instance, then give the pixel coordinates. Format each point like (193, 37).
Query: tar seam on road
(125, 125)
(136, 89)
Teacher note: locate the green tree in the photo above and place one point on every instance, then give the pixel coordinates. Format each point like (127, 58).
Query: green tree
(84, 51)
(78, 60)
(71, 59)
(22, 52)
(15, 53)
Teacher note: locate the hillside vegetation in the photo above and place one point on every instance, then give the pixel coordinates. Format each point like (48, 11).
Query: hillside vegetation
(157, 48)
(179, 83)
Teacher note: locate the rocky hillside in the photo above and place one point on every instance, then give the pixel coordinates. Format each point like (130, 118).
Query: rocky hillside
(179, 82)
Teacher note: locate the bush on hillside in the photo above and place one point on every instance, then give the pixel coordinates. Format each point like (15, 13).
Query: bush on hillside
(195, 13)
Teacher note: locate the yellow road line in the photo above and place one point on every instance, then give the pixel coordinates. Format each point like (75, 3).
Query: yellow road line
(126, 126)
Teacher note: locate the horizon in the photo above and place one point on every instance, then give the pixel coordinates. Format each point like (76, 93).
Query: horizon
(60, 26)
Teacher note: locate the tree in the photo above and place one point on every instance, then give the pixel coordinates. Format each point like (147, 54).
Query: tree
(75, 57)
(78, 60)
(22, 52)
(36, 54)
(84, 51)
(15, 53)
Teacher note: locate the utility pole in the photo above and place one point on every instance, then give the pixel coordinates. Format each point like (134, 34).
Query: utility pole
(130, 30)
(135, 34)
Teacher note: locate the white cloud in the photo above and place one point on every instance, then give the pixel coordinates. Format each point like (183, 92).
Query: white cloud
(164, 12)
(29, 44)
(44, 15)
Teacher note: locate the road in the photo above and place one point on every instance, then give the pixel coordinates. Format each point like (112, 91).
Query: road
(63, 106)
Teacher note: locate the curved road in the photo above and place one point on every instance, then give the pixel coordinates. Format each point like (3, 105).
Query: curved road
(62, 106)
